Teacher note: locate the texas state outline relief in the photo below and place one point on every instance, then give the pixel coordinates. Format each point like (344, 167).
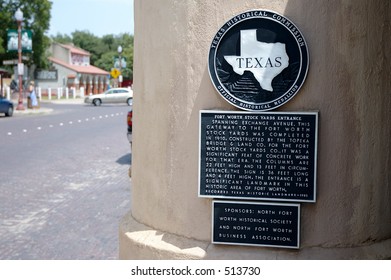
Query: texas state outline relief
(264, 60)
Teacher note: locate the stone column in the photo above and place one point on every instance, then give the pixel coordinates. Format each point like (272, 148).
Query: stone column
(348, 83)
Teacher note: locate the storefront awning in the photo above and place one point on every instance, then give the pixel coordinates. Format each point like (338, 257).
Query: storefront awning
(91, 70)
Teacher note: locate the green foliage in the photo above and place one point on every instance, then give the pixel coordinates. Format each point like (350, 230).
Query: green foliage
(62, 38)
(1, 46)
(36, 14)
(102, 50)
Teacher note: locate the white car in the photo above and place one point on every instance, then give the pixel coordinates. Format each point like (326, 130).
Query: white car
(113, 95)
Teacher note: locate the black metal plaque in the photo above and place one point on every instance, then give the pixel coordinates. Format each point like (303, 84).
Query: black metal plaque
(256, 224)
(259, 155)
(258, 60)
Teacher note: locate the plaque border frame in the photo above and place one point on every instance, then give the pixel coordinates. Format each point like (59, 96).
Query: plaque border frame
(315, 113)
(298, 205)
(221, 32)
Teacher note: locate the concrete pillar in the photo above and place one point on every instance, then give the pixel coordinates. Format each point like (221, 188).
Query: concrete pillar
(348, 82)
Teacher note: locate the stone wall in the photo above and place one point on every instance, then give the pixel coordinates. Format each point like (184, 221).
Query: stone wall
(348, 83)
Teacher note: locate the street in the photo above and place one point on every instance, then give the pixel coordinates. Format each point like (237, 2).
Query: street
(64, 182)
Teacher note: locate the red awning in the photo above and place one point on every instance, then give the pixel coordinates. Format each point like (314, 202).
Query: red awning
(80, 69)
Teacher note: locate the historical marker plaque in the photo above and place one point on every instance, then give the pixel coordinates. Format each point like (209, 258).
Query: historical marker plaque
(258, 60)
(259, 155)
(256, 224)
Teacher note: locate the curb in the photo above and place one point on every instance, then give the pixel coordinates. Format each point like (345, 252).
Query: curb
(33, 111)
(41, 110)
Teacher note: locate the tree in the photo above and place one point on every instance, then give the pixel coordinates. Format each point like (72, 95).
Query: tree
(106, 61)
(36, 15)
(109, 40)
(128, 54)
(103, 50)
(62, 38)
(126, 41)
(89, 42)
(37, 19)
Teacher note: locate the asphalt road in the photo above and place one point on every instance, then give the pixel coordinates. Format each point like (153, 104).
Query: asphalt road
(64, 182)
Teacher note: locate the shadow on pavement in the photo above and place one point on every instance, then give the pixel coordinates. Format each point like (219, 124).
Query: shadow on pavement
(125, 159)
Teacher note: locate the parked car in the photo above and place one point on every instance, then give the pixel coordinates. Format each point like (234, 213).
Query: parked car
(113, 95)
(130, 128)
(6, 107)
(130, 125)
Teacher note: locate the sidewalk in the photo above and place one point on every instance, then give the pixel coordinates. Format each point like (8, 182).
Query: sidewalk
(64, 101)
(35, 111)
(42, 109)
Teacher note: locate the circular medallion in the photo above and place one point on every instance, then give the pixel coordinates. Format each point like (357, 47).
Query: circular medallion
(258, 60)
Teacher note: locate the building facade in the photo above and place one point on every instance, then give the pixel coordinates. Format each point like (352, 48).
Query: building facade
(71, 68)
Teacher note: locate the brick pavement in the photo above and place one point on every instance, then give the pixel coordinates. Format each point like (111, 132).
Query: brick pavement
(66, 203)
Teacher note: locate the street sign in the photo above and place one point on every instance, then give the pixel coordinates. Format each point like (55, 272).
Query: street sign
(115, 73)
(15, 61)
(116, 62)
(20, 69)
(10, 62)
(26, 40)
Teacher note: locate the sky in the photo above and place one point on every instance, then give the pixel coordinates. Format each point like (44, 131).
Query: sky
(99, 17)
